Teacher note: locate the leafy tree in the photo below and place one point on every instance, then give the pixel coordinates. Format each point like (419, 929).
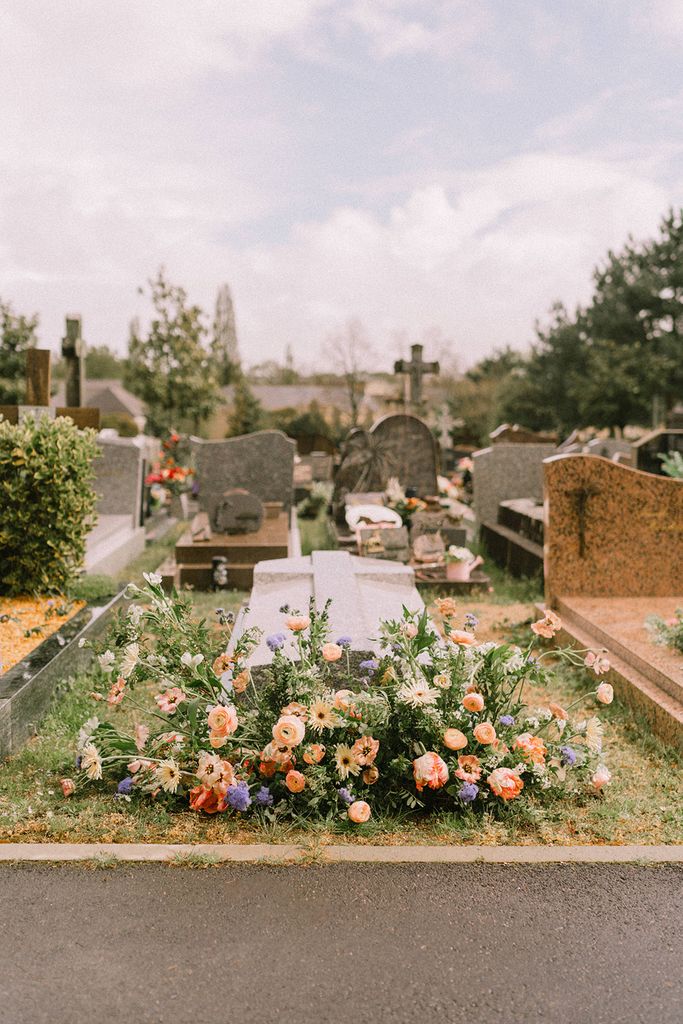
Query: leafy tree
(103, 364)
(224, 347)
(171, 369)
(17, 334)
(247, 412)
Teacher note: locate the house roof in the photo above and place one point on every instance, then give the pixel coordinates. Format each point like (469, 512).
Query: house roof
(107, 396)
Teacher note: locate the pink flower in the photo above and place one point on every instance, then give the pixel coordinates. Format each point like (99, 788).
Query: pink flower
(141, 735)
(409, 630)
(601, 776)
(473, 702)
(115, 695)
(359, 812)
(289, 731)
(430, 770)
(604, 693)
(454, 739)
(68, 786)
(597, 662)
(548, 626)
(169, 701)
(331, 652)
(462, 637)
(484, 733)
(505, 783)
(297, 623)
(365, 750)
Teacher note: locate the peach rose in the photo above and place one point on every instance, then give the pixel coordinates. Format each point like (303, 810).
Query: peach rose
(331, 652)
(294, 781)
(604, 693)
(359, 812)
(558, 712)
(365, 750)
(430, 770)
(601, 776)
(469, 769)
(454, 739)
(68, 786)
(370, 775)
(473, 702)
(314, 754)
(297, 623)
(222, 720)
(241, 681)
(532, 747)
(462, 637)
(505, 783)
(289, 731)
(484, 733)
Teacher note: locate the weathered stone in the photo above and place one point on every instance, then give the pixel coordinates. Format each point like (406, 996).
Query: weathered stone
(611, 530)
(506, 471)
(118, 479)
(429, 547)
(238, 511)
(262, 463)
(200, 527)
(391, 544)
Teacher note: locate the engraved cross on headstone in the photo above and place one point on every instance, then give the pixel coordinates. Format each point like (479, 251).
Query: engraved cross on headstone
(416, 370)
(581, 498)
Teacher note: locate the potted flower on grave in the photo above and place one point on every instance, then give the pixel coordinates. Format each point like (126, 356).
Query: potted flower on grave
(172, 476)
(460, 562)
(398, 500)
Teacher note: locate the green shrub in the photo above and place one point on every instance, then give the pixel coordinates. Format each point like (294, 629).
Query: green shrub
(47, 504)
(124, 424)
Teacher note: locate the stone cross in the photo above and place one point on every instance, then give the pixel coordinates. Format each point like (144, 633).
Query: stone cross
(445, 423)
(73, 353)
(416, 369)
(581, 497)
(38, 395)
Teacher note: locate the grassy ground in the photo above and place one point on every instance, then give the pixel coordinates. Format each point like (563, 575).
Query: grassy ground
(315, 534)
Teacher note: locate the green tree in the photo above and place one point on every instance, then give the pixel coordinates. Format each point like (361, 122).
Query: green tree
(17, 334)
(171, 369)
(103, 364)
(247, 412)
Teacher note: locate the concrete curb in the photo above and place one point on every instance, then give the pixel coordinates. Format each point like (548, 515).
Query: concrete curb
(264, 853)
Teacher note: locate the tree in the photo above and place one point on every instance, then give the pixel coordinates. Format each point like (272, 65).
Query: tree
(17, 335)
(224, 347)
(475, 399)
(103, 364)
(349, 352)
(171, 370)
(247, 411)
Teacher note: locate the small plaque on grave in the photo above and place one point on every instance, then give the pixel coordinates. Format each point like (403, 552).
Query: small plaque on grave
(238, 511)
(201, 528)
(429, 547)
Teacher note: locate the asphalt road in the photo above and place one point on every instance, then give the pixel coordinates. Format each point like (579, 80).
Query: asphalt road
(237, 944)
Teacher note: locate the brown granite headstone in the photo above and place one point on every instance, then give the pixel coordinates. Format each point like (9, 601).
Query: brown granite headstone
(610, 530)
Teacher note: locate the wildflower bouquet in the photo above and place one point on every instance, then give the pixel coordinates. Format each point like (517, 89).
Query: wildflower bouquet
(436, 721)
(170, 472)
(667, 631)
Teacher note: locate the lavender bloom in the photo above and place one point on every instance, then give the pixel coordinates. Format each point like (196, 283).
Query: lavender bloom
(275, 641)
(471, 621)
(264, 797)
(78, 760)
(344, 641)
(345, 796)
(238, 797)
(568, 756)
(369, 667)
(507, 720)
(468, 792)
(124, 787)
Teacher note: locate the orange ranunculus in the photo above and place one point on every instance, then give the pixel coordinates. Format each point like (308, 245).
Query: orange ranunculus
(454, 739)
(314, 754)
(505, 783)
(446, 607)
(295, 781)
(548, 626)
(370, 775)
(533, 748)
(241, 681)
(295, 708)
(222, 720)
(289, 731)
(297, 623)
(203, 799)
(267, 768)
(473, 702)
(484, 733)
(359, 812)
(469, 769)
(331, 652)
(558, 712)
(462, 637)
(430, 770)
(222, 664)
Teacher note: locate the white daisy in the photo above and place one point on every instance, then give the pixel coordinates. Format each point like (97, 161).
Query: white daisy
(168, 775)
(417, 694)
(91, 762)
(106, 660)
(346, 762)
(131, 656)
(153, 578)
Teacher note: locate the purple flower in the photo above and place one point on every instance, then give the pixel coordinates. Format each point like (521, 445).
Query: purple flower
(124, 787)
(345, 795)
(471, 621)
(369, 667)
(344, 641)
(276, 640)
(264, 797)
(468, 792)
(568, 755)
(507, 720)
(238, 797)
(78, 760)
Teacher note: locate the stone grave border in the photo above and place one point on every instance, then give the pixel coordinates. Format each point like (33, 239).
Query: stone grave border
(25, 701)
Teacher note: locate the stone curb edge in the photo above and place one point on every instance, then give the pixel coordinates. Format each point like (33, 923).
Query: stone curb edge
(264, 853)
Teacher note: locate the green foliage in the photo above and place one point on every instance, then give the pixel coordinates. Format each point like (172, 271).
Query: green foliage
(171, 369)
(124, 424)
(672, 465)
(17, 334)
(668, 632)
(103, 364)
(309, 423)
(93, 589)
(47, 503)
(247, 412)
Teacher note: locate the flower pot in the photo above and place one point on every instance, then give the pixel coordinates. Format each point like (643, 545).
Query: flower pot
(179, 506)
(458, 572)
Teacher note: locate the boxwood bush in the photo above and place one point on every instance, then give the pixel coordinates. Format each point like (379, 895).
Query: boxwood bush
(47, 504)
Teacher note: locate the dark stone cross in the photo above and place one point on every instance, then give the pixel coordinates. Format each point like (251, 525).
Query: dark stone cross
(416, 369)
(581, 498)
(73, 353)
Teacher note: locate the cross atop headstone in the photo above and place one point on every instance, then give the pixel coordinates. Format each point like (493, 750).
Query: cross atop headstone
(38, 395)
(416, 370)
(445, 423)
(73, 353)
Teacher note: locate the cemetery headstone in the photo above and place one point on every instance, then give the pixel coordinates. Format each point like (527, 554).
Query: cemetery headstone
(506, 471)
(514, 434)
(73, 353)
(391, 544)
(238, 511)
(118, 536)
(416, 369)
(659, 442)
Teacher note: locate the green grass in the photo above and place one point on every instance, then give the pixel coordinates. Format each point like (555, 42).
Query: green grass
(316, 534)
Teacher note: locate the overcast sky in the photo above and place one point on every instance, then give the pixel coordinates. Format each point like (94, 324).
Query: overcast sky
(436, 168)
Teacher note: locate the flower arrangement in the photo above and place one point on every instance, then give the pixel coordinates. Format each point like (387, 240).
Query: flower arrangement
(436, 721)
(456, 554)
(397, 500)
(667, 631)
(169, 472)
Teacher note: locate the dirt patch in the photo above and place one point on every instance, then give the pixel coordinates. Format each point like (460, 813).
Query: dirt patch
(495, 620)
(26, 621)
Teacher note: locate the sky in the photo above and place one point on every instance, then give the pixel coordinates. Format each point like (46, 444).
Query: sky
(441, 170)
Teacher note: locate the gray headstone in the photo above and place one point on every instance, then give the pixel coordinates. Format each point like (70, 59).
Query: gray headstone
(609, 447)
(262, 463)
(118, 479)
(238, 511)
(390, 544)
(506, 471)
(429, 547)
